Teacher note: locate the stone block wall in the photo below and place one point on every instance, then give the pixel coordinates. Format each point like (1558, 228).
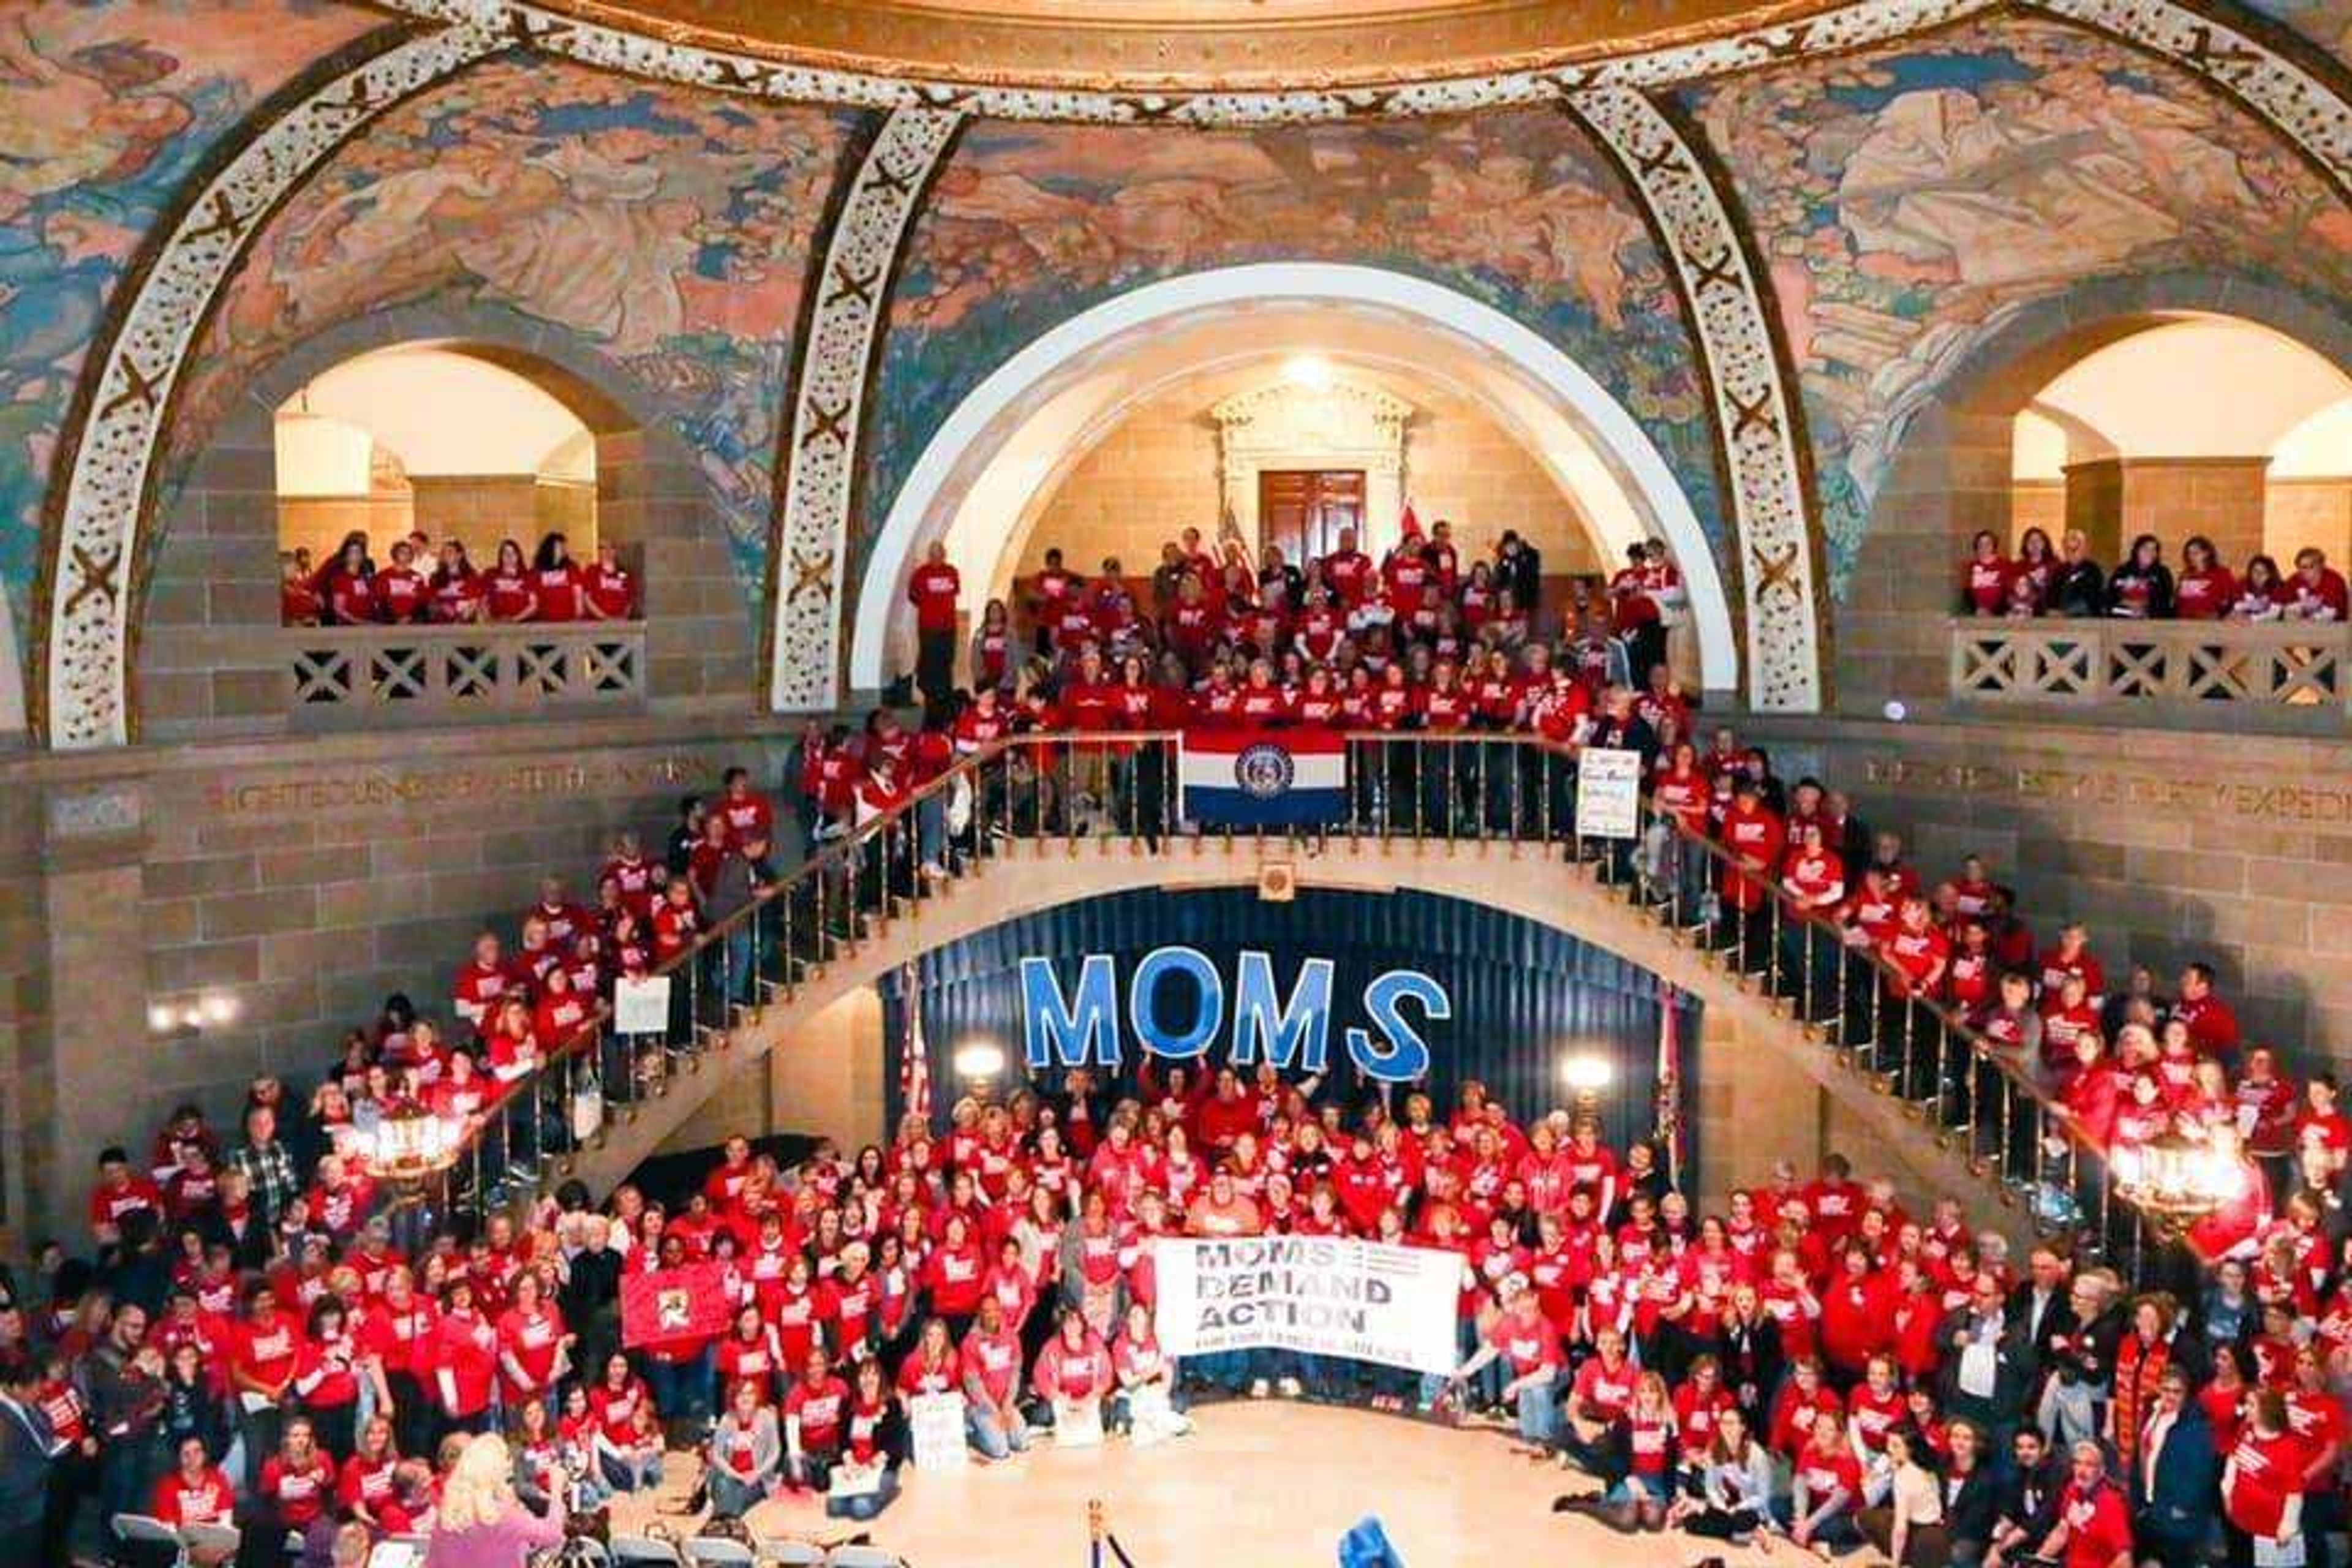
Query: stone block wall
(282, 890)
(2234, 849)
(1156, 474)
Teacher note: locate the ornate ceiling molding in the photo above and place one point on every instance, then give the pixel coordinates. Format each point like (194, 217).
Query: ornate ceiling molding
(1182, 44)
(812, 535)
(687, 58)
(1754, 404)
(129, 388)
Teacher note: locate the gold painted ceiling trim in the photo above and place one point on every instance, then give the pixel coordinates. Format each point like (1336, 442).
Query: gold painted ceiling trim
(1182, 45)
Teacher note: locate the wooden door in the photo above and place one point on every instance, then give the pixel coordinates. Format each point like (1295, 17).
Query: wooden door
(1303, 510)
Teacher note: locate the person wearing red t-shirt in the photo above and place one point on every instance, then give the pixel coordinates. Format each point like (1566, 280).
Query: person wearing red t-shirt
(534, 1348)
(556, 581)
(401, 592)
(2206, 590)
(195, 1491)
(815, 1413)
(989, 1360)
(607, 591)
(265, 1347)
(1348, 570)
(366, 1487)
(2316, 592)
(1825, 1490)
(1755, 837)
(345, 585)
(465, 1360)
(297, 1483)
(510, 589)
(1984, 581)
(119, 1193)
(2266, 1478)
(2212, 1023)
(1528, 1343)
(300, 603)
(1598, 1398)
(934, 588)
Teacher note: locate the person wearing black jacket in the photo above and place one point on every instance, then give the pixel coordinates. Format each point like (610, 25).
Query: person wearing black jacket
(2041, 1305)
(2078, 588)
(1520, 568)
(1747, 1344)
(1988, 1365)
(2140, 587)
(1971, 1493)
(2082, 1363)
(2174, 1483)
(2025, 1497)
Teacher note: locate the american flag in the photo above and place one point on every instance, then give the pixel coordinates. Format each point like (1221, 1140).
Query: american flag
(1670, 1083)
(914, 1062)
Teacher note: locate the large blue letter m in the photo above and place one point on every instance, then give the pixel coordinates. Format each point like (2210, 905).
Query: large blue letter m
(1073, 1033)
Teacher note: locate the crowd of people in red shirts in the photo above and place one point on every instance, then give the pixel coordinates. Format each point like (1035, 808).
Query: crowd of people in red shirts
(2066, 580)
(418, 584)
(1808, 1363)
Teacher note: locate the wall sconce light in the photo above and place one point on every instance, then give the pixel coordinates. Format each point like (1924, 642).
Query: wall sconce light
(188, 1020)
(1587, 1073)
(977, 1060)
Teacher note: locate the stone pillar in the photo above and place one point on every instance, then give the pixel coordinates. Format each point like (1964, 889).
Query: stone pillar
(1752, 1110)
(1952, 480)
(98, 1045)
(701, 638)
(2116, 499)
(210, 654)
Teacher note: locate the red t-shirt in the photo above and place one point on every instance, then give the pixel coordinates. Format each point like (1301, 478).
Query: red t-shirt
(207, 1500)
(933, 591)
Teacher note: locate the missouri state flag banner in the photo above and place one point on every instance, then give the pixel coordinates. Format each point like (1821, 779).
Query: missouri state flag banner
(682, 1303)
(1263, 778)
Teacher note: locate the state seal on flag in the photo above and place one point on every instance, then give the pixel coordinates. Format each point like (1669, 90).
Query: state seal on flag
(1263, 770)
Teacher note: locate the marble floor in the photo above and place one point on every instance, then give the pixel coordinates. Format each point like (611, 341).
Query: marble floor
(1257, 1485)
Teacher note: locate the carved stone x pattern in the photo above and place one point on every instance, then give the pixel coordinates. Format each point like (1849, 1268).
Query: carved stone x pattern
(820, 483)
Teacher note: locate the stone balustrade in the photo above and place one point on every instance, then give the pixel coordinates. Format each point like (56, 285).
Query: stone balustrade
(2289, 676)
(369, 675)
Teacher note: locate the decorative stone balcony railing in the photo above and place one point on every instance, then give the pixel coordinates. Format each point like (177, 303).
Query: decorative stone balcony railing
(2283, 676)
(445, 674)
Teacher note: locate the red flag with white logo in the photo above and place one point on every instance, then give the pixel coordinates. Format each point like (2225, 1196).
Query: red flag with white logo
(689, 1302)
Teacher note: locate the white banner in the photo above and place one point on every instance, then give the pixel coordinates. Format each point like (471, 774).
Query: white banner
(641, 1006)
(1607, 793)
(1321, 1295)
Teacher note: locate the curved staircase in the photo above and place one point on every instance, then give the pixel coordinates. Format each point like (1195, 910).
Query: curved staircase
(861, 909)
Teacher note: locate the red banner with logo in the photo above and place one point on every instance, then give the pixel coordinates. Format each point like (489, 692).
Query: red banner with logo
(685, 1303)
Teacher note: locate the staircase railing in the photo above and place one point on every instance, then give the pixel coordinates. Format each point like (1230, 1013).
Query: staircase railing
(1100, 791)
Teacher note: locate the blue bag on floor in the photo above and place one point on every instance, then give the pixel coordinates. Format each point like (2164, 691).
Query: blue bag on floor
(1367, 1546)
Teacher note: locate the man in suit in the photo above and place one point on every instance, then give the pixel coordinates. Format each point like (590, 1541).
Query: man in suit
(27, 1448)
(2174, 1482)
(1988, 1363)
(2041, 1305)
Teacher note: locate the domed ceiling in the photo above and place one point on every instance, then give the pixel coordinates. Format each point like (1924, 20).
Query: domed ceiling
(1181, 44)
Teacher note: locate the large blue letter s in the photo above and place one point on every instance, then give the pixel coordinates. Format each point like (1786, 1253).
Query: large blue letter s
(1076, 1034)
(1403, 1055)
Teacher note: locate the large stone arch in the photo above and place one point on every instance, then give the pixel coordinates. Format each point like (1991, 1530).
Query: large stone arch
(203, 607)
(1951, 470)
(962, 454)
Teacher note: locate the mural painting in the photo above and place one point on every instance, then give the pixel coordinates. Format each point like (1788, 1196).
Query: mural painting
(666, 228)
(1029, 224)
(106, 110)
(1909, 201)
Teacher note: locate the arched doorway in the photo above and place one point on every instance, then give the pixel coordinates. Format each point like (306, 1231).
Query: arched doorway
(997, 456)
(1954, 470)
(210, 652)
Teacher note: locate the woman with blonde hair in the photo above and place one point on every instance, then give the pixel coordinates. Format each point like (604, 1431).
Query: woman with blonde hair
(480, 1522)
